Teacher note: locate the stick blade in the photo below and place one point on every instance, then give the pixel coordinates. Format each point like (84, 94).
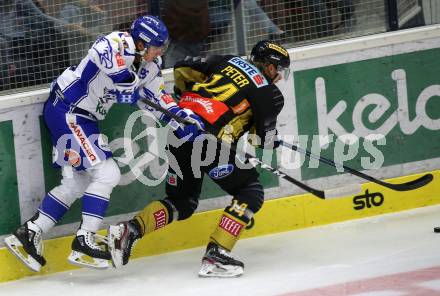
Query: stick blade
(337, 192)
(411, 185)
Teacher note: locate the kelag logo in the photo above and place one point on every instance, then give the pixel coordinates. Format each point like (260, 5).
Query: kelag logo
(368, 200)
(384, 104)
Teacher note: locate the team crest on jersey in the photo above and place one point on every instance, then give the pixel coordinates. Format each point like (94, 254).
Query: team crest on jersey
(250, 71)
(105, 54)
(221, 172)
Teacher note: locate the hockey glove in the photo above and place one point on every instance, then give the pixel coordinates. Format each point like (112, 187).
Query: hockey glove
(127, 92)
(271, 140)
(191, 117)
(127, 97)
(188, 131)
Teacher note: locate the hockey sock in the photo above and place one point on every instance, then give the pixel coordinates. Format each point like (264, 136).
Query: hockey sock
(93, 211)
(234, 219)
(51, 210)
(154, 216)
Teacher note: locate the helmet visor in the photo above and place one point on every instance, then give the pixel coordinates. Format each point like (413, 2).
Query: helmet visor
(160, 50)
(284, 72)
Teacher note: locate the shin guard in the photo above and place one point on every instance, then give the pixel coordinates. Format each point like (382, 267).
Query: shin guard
(156, 215)
(234, 219)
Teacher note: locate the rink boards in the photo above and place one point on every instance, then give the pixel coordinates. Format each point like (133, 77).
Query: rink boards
(385, 84)
(277, 215)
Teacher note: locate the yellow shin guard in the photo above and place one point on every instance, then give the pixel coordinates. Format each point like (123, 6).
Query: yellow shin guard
(154, 216)
(228, 231)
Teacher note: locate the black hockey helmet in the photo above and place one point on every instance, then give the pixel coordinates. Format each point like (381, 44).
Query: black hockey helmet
(270, 52)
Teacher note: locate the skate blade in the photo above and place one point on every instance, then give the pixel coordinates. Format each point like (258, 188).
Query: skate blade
(209, 269)
(83, 260)
(16, 248)
(114, 246)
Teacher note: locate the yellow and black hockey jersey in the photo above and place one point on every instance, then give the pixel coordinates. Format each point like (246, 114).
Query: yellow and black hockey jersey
(231, 95)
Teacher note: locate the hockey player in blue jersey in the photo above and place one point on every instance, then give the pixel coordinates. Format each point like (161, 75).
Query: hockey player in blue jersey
(119, 68)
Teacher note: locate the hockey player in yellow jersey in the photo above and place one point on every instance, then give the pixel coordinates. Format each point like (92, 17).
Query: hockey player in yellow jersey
(232, 96)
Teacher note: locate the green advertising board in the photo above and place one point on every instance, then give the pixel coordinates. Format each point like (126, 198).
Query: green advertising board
(9, 206)
(396, 96)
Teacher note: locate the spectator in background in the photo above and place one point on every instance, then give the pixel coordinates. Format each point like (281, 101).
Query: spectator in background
(122, 12)
(346, 11)
(11, 28)
(48, 43)
(35, 47)
(82, 22)
(258, 16)
(322, 18)
(256, 21)
(188, 25)
(7, 67)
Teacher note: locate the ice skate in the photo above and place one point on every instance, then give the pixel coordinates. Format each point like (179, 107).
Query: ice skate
(27, 245)
(87, 252)
(218, 262)
(121, 241)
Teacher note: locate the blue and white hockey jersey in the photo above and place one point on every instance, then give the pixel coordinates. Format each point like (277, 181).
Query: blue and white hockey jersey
(91, 85)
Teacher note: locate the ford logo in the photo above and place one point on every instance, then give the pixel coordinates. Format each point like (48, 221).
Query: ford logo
(221, 171)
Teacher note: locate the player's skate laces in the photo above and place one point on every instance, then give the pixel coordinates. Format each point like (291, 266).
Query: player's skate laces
(121, 241)
(218, 262)
(27, 245)
(87, 252)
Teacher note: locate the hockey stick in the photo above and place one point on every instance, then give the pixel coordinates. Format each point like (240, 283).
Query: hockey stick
(323, 194)
(410, 185)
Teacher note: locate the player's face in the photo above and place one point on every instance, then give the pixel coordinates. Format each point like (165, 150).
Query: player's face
(276, 73)
(272, 72)
(153, 52)
(150, 53)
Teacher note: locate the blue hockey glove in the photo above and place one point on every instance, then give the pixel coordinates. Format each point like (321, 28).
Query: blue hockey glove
(189, 131)
(127, 97)
(190, 116)
(127, 92)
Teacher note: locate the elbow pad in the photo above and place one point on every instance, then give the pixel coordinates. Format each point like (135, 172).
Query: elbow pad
(129, 87)
(126, 92)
